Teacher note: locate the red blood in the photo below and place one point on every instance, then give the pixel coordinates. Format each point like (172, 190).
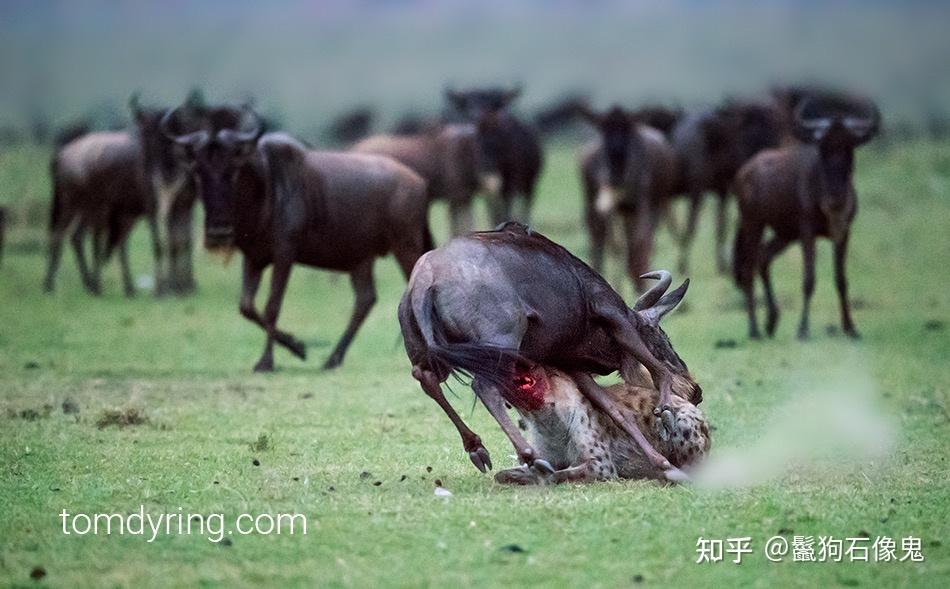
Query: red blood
(530, 388)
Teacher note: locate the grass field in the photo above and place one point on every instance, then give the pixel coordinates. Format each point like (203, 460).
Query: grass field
(217, 438)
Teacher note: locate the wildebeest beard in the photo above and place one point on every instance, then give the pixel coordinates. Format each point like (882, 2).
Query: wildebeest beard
(659, 345)
(222, 252)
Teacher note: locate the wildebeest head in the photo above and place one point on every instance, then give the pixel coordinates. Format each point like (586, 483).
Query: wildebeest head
(650, 308)
(837, 124)
(476, 102)
(615, 127)
(157, 149)
(216, 147)
(485, 108)
(751, 127)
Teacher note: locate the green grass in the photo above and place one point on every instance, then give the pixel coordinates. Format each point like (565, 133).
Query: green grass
(185, 365)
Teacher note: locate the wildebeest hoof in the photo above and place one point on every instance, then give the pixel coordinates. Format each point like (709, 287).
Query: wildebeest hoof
(297, 348)
(803, 334)
(331, 363)
(852, 333)
(542, 466)
(481, 459)
(264, 366)
(665, 425)
(676, 475)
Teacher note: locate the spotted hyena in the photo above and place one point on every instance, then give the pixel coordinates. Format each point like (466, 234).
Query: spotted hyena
(583, 444)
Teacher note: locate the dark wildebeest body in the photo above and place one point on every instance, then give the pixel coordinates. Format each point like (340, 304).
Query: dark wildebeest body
(803, 192)
(446, 157)
(710, 147)
(510, 156)
(628, 171)
(281, 204)
(487, 302)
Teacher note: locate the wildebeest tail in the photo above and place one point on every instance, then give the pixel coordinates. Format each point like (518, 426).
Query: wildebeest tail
(489, 364)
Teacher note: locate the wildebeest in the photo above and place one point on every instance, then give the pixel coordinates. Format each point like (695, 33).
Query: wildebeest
(803, 192)
(710, 146)
(584, 444)
(351, 125)
(491, 303)
(628, 170)
(103, 183)
(281, 203)
(510, 151)
(559, 116)
(446, 157)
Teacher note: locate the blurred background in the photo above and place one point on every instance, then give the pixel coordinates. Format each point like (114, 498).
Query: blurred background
(305, 62)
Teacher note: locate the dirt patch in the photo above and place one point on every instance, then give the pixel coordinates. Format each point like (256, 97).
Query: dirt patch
(123, 417)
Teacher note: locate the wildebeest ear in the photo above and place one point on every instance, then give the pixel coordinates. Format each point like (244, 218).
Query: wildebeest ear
(135, 106)
(666, 304)
(195, 99)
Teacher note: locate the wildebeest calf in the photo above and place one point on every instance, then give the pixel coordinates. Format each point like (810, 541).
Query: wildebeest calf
(584, 444)
(803, 192)
(281, 204)
(488, 303)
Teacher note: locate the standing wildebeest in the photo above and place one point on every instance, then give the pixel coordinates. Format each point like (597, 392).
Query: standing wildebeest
(446, 157)
(489, 304)
(629, 170)
(281, 203)
(710, 147)
(802, 192)
(510, 151)
(103, 183)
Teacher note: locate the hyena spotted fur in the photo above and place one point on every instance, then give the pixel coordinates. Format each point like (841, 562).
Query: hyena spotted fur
(584, 444)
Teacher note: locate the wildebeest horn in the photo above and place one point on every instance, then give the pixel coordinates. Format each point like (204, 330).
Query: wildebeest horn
(863, 128)
(234, 136)
(134, 103)
(195, 139)
(650, 297)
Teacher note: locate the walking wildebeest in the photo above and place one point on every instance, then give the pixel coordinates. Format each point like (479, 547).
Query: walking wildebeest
(510, 151)
(103, 183)
(802, 192)
(628, 170)
(446, 157)
(584, 444)
(710, 147)
(491, 303)
(281, 204)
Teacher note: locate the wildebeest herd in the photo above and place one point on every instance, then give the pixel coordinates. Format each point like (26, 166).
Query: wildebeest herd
(529, 323)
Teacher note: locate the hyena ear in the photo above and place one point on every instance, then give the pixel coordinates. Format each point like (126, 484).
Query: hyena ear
(666, 304)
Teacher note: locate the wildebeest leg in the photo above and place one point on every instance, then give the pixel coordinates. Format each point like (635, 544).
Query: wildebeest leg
(279, 277)
(597, 232)
(180, 236)
(470, 440)
(77, 240)
(600, 399)
(491, 397)
(722, 222)
(460, 216)
(745, 259)
(365, 289)
(55, 252)
(128, 285)
(251, 280)
(774, 247)
(841, 282)
(808, 281)
(689, 233)
(639, 242)
(157, 253)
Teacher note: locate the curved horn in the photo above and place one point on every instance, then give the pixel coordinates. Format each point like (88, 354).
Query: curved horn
(234, 136)
(134, 102)
(650, 297)
(863, 128)
(811, 128)
(195, 139)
